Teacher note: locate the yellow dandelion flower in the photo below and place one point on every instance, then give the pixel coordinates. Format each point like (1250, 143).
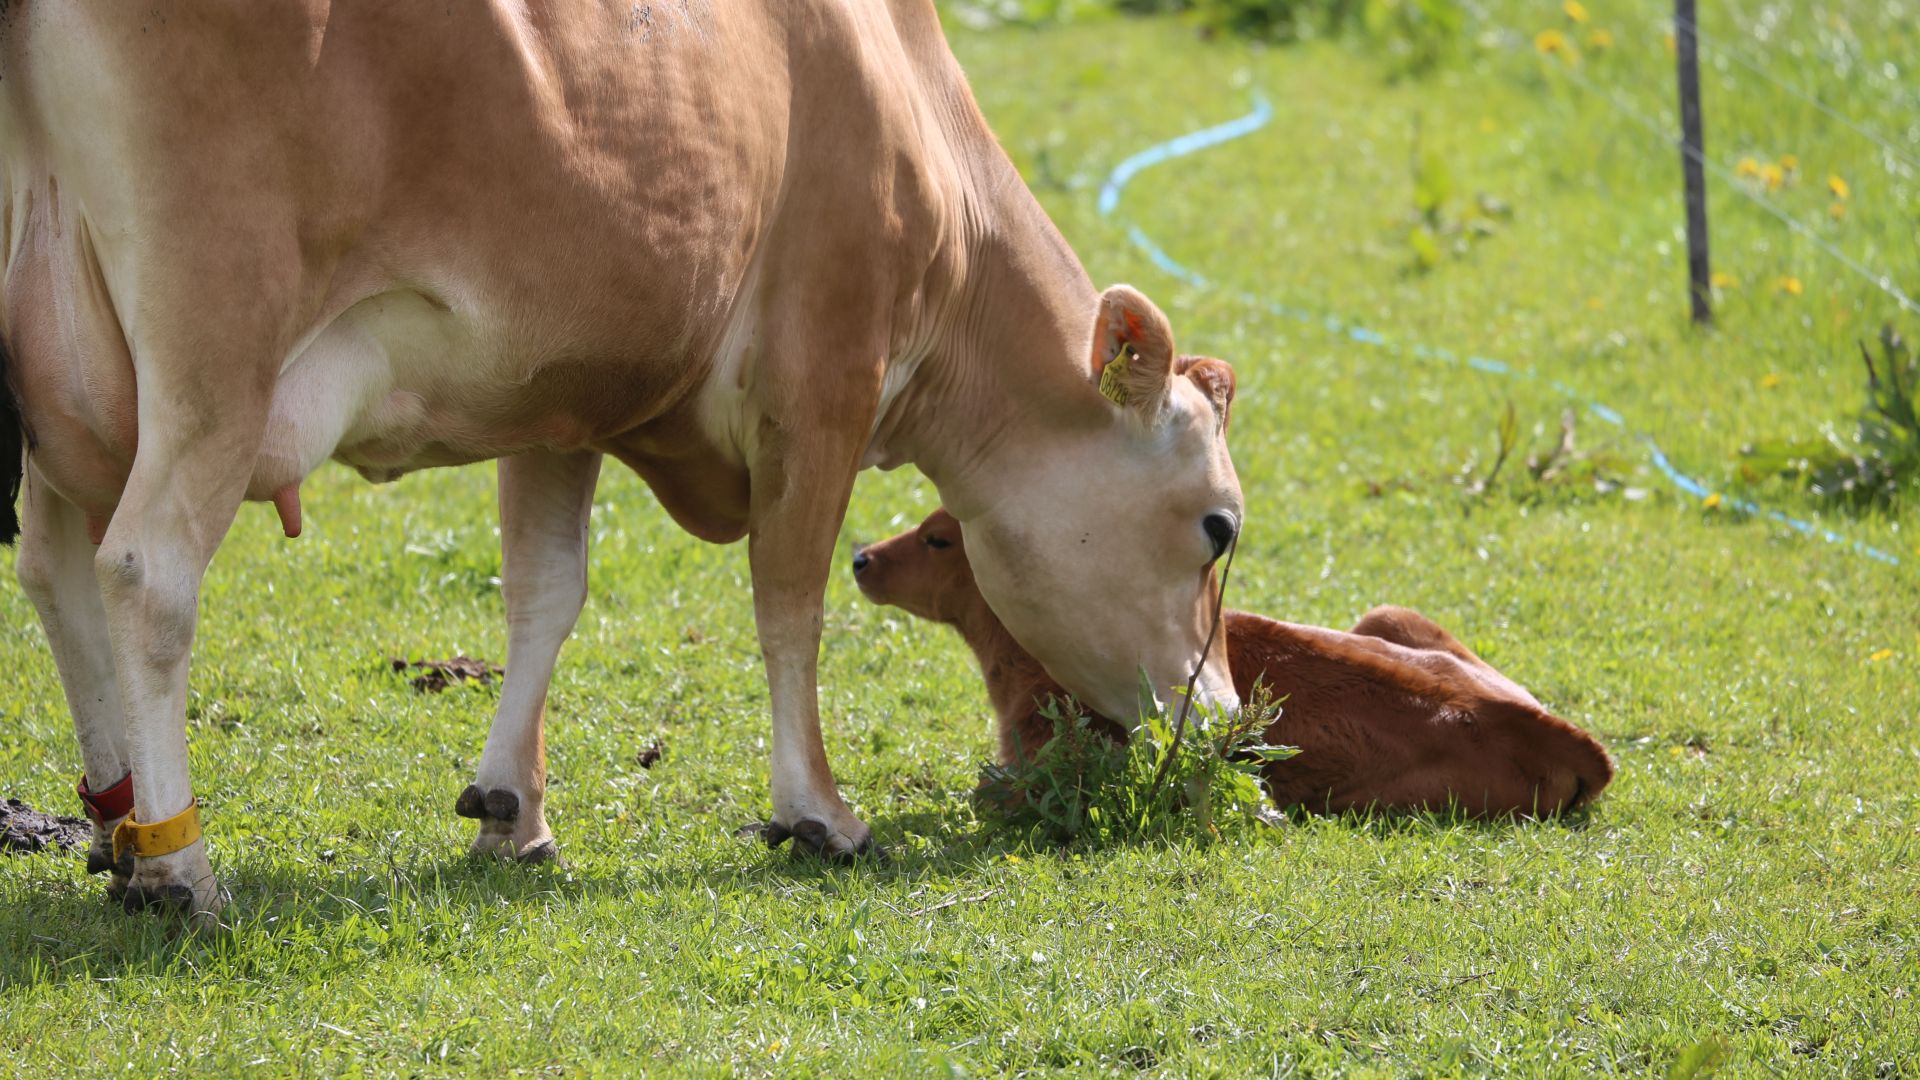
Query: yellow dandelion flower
(1747, 167)
(1769, 381)
(1600, 40)
(1012, 858)
(1883, 654)
(1790, 162)
(1711, 502)
(1790, 285)
(1550, 41)
(1773, 176)
(1838, 210)
(1575, 10)
(1594, 303)
(1723, 280)
(775, 1046)
(1676, 751)
(1838, 187)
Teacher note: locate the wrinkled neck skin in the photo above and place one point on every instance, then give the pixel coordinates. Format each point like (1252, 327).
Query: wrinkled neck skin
(1007, 315)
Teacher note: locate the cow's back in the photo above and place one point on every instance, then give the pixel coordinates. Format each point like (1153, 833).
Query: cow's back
(493, 227)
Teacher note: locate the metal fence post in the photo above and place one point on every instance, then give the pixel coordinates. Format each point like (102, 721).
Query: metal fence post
(1692, 157)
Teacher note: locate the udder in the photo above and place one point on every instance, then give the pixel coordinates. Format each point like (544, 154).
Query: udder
(357, 392)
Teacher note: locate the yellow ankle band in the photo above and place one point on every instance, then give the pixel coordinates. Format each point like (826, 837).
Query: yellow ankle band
(159, 838)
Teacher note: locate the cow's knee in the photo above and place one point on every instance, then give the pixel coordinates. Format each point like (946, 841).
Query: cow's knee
(163, 605)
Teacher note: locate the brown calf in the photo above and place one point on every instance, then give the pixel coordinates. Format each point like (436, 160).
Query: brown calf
(1395, 715)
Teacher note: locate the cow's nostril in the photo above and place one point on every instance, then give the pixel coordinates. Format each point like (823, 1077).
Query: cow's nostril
(860, 561)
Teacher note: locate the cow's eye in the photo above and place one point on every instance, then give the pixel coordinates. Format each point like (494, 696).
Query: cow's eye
(1221, 528)
(939, 543)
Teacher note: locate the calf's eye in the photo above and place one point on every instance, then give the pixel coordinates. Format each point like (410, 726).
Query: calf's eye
(939, 543)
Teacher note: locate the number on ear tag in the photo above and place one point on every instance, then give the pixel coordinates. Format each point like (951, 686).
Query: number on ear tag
(1113, 377)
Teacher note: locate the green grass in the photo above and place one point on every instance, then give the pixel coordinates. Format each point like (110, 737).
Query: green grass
(1749, 881)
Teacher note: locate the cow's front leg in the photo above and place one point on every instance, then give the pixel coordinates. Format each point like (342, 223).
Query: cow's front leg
(197, 452)
(801, 483)
(56, 570)
(545, 501)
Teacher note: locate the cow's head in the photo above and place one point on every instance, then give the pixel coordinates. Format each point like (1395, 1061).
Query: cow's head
(1099, 546)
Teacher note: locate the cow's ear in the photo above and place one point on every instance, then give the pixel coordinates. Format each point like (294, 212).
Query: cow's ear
(1215, 379)
(1132, 350)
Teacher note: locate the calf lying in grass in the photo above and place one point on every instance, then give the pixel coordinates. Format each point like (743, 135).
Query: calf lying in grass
(1395, 715)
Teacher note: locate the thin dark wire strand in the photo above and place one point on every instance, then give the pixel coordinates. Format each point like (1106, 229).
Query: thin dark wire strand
(1881, 281)
(1858, 128)
(1186, 704)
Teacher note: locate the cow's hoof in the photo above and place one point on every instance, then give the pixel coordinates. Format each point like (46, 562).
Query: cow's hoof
(813, 836)
(500, 841)
(168, 899)
(541, 851)
(178, 884)
(100, 860)
(509, 828)
(100, 853)
(472, 803)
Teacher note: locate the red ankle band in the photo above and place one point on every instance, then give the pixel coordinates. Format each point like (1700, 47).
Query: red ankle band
(104, 806)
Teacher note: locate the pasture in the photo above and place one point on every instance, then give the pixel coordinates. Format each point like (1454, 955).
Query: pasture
(1745, 894)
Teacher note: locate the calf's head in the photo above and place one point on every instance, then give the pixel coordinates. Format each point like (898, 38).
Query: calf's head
(924, 572)
(1098, 541)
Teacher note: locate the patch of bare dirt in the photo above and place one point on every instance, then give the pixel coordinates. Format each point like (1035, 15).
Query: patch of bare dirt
(436, 675)
(24, 830)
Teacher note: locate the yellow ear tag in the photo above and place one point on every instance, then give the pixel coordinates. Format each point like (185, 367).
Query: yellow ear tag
(1112, 377)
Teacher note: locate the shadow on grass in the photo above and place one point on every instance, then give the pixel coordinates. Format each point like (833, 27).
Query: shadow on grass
(60, 927)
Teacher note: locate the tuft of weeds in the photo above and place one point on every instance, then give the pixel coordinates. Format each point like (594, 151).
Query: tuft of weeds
(1871, 463)
(1559, 464)
(1084, 787)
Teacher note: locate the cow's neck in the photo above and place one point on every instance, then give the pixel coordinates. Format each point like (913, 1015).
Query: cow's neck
(1007, 368)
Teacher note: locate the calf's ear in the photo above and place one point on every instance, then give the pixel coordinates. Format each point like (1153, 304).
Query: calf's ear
(1132, 351)
(1215, 379)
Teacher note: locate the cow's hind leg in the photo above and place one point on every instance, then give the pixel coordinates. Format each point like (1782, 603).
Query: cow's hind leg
(56, 570)
(1404, 626)
(200, 431)
(545, 500)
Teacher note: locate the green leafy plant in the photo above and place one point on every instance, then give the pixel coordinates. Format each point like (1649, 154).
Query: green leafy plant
(1418, 34)
(1270, 20)
(1435, 230)
(1083, 786)
(1871, 463)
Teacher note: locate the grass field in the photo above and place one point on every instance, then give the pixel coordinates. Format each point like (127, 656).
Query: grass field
(1747, 888)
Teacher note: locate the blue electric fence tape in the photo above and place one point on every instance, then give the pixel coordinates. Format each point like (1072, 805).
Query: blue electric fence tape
(1195, 141)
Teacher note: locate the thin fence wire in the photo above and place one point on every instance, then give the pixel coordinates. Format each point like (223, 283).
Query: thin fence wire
(1896, 153)
(1880, 280)
(1193, 142)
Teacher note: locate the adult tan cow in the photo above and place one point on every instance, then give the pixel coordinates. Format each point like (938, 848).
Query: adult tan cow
(747, 248)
